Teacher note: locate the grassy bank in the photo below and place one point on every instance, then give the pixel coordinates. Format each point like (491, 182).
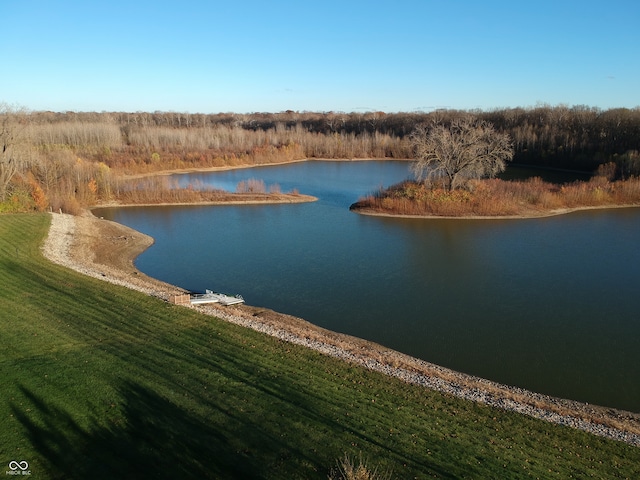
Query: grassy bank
(496, 198)
(103, 382)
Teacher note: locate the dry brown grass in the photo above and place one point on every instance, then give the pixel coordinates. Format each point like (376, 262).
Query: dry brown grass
(500, 198)
(156, 190)
(350, 469)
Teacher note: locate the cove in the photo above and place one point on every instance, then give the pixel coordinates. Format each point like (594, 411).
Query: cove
(548, 304)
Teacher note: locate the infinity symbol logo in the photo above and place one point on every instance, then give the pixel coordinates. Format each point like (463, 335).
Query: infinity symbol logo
(23, 465)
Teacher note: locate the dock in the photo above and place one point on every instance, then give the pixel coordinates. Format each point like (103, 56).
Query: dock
(212, 297)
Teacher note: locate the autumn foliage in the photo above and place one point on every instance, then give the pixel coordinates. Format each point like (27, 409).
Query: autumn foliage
(496, 197)
(72, 160)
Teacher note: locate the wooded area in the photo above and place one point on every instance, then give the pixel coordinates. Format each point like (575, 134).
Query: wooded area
(66, 160)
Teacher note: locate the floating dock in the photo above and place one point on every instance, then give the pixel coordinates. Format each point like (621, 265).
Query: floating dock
(212, 297)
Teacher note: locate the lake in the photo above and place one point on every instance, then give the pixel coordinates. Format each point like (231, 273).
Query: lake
(551, 304)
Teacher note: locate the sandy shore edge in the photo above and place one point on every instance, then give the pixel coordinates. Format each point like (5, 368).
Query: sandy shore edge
(106, 250)
(522, 216)
(224, 168)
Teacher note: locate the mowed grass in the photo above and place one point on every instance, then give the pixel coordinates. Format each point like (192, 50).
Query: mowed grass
(102, 382)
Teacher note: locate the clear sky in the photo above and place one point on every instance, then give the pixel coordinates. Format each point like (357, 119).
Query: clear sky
(335, 55)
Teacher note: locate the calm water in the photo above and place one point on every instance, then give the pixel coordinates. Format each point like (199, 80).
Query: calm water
(552, 305)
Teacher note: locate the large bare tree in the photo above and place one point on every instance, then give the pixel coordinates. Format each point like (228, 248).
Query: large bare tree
(466, 149)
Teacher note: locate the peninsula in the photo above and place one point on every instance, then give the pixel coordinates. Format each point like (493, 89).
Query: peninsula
(495, 198)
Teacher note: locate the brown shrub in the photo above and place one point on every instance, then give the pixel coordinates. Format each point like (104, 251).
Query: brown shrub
(350, 469)
(251, 186)
(501, 198)
(67, 205)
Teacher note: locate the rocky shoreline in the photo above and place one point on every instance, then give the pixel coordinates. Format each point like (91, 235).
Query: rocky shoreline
(106, 250)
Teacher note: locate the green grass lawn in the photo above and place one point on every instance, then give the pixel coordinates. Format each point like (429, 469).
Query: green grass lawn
(102, 382)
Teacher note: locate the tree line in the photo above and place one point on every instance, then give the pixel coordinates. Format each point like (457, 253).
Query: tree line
(578, 137)
(80, 157)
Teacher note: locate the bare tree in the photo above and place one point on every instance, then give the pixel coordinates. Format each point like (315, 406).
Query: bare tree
(11, 154)
(467, 149)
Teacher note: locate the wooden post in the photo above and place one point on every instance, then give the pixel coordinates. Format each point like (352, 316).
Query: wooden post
(182, 299)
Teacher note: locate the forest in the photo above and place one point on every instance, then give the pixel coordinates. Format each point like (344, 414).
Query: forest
(70, 160)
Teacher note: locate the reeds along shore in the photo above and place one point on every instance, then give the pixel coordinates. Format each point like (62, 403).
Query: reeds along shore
(496, 198)
(69, 160)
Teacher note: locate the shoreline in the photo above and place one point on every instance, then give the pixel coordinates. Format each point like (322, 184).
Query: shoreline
(106, 250)
(302, 198)
(249, 199)
(523, 216)
(224, 168)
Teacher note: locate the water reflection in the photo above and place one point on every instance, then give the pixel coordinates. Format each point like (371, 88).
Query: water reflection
(548, 304)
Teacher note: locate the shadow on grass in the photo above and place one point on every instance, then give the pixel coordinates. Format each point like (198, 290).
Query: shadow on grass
(153, 439)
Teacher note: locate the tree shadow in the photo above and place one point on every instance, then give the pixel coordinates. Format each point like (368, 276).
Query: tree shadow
(153, 439)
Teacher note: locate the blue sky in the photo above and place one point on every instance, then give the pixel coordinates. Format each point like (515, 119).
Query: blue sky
(255, 56)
